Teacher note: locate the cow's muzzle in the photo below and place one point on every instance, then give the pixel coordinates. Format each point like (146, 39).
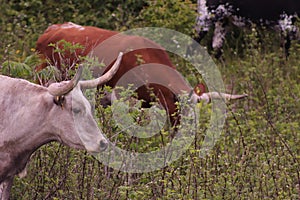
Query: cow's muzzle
(103, 145)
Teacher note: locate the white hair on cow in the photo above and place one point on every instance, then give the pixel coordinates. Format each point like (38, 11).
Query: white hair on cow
(203, 18)
(219, 35)
(72, 25)
(239, 21)
(286, 24)
(223, 11)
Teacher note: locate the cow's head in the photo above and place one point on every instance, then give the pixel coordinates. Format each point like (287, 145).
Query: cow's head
(69, 103)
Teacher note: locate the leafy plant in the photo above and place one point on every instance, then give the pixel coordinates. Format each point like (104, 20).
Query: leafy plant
(257, 156)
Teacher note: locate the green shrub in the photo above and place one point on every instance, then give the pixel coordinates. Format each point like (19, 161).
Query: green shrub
(257, 156)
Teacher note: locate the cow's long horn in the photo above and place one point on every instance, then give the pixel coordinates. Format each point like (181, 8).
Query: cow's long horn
(58, 89)
(216, 95)
(88, 84)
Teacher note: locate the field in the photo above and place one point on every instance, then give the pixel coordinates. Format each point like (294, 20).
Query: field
(257, 155)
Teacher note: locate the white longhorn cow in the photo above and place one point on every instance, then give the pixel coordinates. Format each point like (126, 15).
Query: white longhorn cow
(32, 115)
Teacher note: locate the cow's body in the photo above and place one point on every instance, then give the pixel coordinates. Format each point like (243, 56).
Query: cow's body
(105, 45)
(138, 50)
(32, 115)
(280, 14)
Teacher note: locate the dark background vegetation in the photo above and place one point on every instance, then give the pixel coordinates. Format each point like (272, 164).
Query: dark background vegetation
(258, 154)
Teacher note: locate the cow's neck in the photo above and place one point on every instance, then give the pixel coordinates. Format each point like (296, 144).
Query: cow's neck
(14, 155)
(28, 128)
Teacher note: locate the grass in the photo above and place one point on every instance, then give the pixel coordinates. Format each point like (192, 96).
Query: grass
(257, 156)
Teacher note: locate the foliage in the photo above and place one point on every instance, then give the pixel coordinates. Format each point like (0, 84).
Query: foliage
(257, 156)
(172, 14)
(25, 20)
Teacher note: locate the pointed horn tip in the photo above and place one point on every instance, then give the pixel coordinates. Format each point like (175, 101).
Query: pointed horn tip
(238, 96)
(244, 95)
(116, 66)
(120, 55)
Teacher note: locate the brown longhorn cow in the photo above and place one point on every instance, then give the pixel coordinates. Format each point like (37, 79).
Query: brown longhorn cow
(105, 44)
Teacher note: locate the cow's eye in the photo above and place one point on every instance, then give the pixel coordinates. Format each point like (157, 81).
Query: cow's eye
(76, 110)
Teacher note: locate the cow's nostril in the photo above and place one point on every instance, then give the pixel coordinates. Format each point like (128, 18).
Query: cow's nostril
(103, 145)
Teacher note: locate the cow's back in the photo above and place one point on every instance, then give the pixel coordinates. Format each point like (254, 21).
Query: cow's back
(106, 45)
(87, 37)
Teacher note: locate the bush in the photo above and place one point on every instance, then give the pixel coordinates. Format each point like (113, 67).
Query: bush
(257, 156)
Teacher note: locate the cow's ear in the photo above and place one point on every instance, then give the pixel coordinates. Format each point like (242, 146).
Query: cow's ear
(59, 100)
(200, 89)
